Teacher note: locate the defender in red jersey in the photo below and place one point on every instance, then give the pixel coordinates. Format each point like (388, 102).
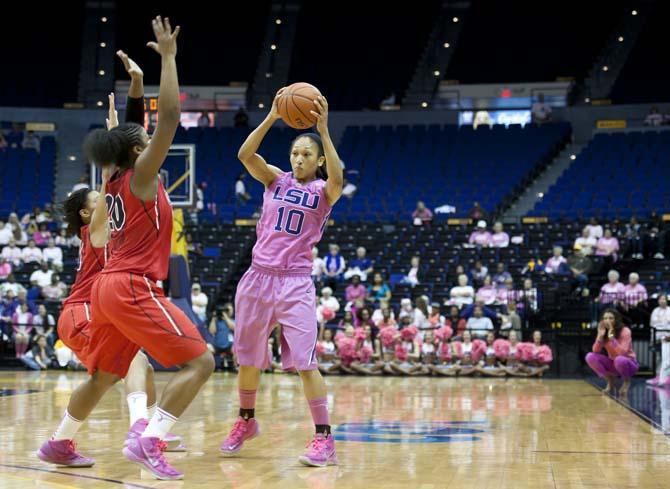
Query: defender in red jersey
(125, 297)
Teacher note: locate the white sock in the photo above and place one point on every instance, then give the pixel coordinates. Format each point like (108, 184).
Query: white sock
(137, 406)
(68, 428)
(152, 410)
(159, 425)
(664, 372)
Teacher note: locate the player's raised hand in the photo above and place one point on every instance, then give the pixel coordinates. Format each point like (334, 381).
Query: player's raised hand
(132, 68)
(274, 110)
(321, 113)
(166, 38)
(113, 117)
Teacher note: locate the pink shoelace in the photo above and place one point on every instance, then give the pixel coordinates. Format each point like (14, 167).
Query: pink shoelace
(238, 431)
(317, 444)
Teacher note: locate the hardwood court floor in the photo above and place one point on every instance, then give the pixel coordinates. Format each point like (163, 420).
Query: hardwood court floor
(403, 432)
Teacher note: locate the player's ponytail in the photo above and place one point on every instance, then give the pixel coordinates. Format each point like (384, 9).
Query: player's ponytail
(75, 202)
(104, 147)
(321, 171)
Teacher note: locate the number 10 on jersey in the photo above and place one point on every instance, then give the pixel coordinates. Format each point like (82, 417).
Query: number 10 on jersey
(290, 221)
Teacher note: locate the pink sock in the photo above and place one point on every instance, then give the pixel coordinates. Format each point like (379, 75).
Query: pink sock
(247, 399)
(319, 408)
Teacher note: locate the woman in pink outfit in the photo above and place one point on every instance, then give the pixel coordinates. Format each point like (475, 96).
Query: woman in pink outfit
(608, 245)
(620, 360)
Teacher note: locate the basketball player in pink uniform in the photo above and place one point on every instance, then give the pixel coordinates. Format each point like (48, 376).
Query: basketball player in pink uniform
(278, 288)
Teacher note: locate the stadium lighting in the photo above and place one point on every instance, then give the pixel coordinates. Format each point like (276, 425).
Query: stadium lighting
(72, 158)
(424, 104)
(103, 19)
(268, 75)
(101, 72)
(634, 12)
(573, 157)
(278, 21)
(436, 73)
(606, 68)
(620, 38)
(446, 45)
(273, 47)
(103, 44)
(455, 19)
(261, 105)
(99, 104)
(540, 194)
(587, 100)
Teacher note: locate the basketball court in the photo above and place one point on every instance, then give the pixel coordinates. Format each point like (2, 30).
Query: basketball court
(391, 432)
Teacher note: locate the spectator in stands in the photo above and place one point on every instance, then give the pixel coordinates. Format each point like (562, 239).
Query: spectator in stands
(42, 236)
(31, 141)
(199, 301)
(20, 235)
(3, 142)
(613, 291)
(83, 183)
(241, 118)
(349, 189)
(654, 118)
(203, 120)
(477, 212)
(22, 298)
(30, 226)
(6, 234)
(32, 254)
(529, 297)
(363, 318)
(318, 266)
(45, 324)
(540, 112)
(355, 290)
(586, 242)
(501, 276)
(5, 268)
(13, 254)
(56, 290)
(633, 239)
(510, 320)
(499, 238)
(463, 294)
(660, 316)
(361, 265)
(620, 360)
(478, 324)
(41, 356)
(435, 318)
(65, 241)
(595, 229)
(422, 216)
(480, 236)
(22, 323)
(635, 300)
(192, 247)
(41, 277)
(580, 266)
(479, 273)
(413, 275)
(241, 194)
(387, 316)
(334, 266)
(222, 327)
(455, 321)
(608, 246)
(327, 306)
(378, 289)
(557, 263)
(15, 136)
(506, 292)
(655, 238)
(11, 284)
(487, 293)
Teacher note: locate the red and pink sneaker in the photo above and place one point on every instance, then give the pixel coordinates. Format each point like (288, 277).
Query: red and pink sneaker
(148, 454)
(242, 431)
(64, 453)
(321, 452)
(172, 442)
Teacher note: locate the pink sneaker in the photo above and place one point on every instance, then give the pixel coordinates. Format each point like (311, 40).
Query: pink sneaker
(172, 442)
(63, 452)
(241, 432)
(321, 452)
(148, 454)
(653, 382)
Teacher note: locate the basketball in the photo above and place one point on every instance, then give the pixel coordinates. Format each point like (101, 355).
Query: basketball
(296, 103)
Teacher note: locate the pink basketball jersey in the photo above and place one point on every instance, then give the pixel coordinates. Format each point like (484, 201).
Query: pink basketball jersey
(291, 223)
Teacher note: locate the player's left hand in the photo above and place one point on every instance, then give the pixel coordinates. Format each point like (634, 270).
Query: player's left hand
(113, 117)
(106, 173)
(132, 68)
(321, 113)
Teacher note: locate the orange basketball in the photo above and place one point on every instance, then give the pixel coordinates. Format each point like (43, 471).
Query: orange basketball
(295, 104)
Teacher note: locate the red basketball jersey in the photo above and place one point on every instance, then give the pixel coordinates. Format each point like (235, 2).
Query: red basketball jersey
(91, 262)
(141, 231)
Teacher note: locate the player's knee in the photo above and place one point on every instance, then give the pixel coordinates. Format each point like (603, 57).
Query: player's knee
(204, 365)
(104, 380)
